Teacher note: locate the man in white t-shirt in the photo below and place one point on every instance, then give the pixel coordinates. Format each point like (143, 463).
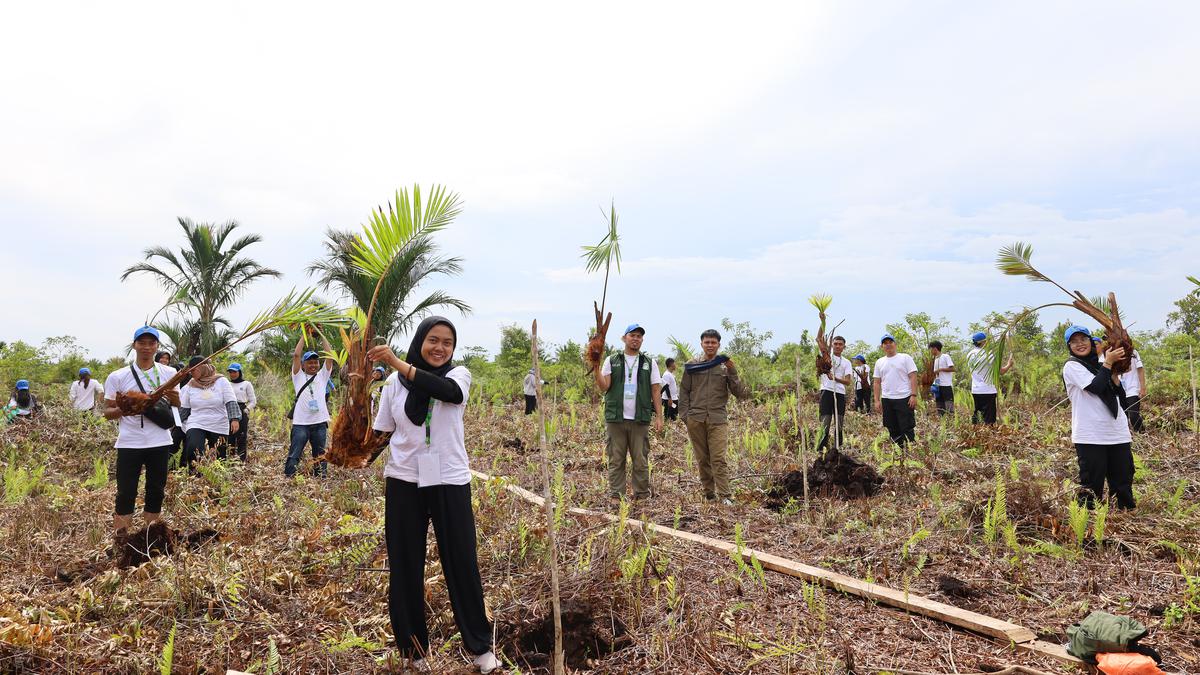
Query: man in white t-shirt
(1134, 384)
(896, 391)
(833, 394)
(670, 392)
(631, 387)
(983, 388)
(310, 416)
(943, 378)
(85, 390)
(141, 441)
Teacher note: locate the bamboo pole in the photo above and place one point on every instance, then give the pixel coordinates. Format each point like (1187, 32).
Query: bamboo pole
(548, 505)
(803, 437)
(1192, 377)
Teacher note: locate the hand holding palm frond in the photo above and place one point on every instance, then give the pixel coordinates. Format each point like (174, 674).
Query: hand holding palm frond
(822, 301)
(603, 255)
(1015, 260)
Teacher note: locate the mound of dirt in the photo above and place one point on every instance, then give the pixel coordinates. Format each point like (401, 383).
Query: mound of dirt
(834, 475)
(589, 632)
(514, 443)
(158, 538)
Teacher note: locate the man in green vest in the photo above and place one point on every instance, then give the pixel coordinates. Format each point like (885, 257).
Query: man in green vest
(632, 388)
(708, 380)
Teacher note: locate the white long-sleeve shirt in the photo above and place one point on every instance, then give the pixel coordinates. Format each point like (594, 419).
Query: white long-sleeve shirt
(244, 391)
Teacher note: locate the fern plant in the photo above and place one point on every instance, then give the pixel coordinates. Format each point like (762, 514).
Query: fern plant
(1077, 518)
(168, 653)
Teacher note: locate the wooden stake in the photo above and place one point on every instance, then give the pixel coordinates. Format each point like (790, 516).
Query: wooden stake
(1192, 377)
(548, 505)
(803, 438)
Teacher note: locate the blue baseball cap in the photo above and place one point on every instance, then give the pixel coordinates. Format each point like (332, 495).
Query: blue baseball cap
(146, 330)
(381, 369)
(1072, 330)
(310, 355)
(978, 337)
(860, 357)
(22, 384)
(632, 327)
(85, 371)
(887, 337)
(235, 366)
(1096, 339)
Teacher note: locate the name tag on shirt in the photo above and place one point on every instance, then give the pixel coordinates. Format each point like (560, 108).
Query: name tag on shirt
(429, 469)
(630, 391)
(313, 406)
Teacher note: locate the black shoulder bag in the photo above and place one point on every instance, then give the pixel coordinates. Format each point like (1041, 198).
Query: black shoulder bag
(160, 412)
(292, 410)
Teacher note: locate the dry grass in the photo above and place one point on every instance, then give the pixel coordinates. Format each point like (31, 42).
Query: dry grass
(297, 570)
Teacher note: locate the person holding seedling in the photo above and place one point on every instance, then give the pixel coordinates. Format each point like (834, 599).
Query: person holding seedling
(1099, 426)
(529, 387)
(895, 391)
(310, 408)
(84, 391)
(708, 380)
(143, 440)
(670, 392)
(243, 391)
(862, 384)
(209, 410)
(1134, 384)
(428, 478)
(943, 373)
(833, 394)
(983, 388)
(632, 387)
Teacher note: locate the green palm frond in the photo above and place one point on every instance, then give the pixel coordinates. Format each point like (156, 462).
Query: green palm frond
(387, 235)
(608, 250)
(1016, 260)
(683, 350)
(1194, 280)
(821, 301)
(295, 308)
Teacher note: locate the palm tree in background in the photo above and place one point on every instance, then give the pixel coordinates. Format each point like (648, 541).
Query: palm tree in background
(206, 275)
(395, 313)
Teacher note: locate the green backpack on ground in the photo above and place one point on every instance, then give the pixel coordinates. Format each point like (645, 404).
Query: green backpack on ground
(1103, 633)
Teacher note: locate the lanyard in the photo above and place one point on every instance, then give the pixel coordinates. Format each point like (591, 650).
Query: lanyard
(629, 370)
(428, 419)
(155, 379)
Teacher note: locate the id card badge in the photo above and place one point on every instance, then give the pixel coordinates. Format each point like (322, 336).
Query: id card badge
(313, 406)
(429, 469)
(630, 391)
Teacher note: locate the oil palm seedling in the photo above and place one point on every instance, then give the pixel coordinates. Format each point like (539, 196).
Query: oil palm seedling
(603, 254)
(1015, 260)
(386, 243)
(822, 301)
(294, 309)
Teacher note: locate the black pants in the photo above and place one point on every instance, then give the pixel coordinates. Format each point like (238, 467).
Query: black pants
(530, 404)
(238, 440)
(945, 399)
(670, 412)
(407, 512)
(177, 437)
(900, 420)
(1134, 412)
(129, 469)
(194, 443)
(1098, 463)
(985, 408)
(862, 400)
(826, 408)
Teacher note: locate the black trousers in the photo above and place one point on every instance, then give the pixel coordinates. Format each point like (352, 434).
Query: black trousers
(238, 440)
(862, 400)
(1134, 412)
(945, 399)
(985, 408)
(826, 409)
(129, 469)
(670, 412)
(1100, 463)
(530, 404)
(900, 420)
(407, 512)
(194, 443)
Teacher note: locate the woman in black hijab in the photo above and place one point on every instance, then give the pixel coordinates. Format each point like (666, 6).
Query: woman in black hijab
(428, 478)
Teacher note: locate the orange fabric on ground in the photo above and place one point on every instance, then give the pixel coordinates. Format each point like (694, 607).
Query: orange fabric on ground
(1127, 664)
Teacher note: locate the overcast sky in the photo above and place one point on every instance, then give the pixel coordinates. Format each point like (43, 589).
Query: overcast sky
(756, 153)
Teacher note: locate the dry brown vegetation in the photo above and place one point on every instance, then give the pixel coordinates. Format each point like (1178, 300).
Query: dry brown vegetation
(273, 575)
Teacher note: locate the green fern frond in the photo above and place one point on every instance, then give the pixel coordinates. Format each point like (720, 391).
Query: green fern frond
(168, 653)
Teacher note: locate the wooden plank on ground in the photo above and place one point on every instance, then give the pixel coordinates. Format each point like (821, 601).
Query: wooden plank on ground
(1021, 637)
